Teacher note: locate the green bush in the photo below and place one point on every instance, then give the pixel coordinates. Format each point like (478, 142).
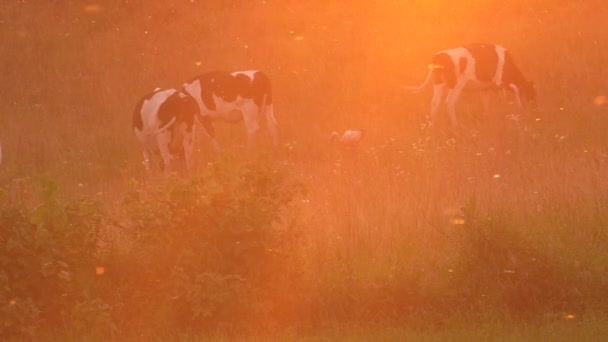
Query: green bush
(92, 316)
(212, 249)
(48, 257)
(206, 252)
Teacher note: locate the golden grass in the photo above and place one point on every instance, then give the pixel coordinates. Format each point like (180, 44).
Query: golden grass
(391, 207)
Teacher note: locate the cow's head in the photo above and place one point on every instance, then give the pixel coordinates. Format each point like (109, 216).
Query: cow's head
(184, 109)
(528, 93)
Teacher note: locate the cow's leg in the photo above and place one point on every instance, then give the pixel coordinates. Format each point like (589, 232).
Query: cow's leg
(438, 91)
(146, 159)
(485, 100)
(205, 121)
(271, 124)
(516, 96)
(163, 141)
(451, 101)
(188, 145)
(252, 124)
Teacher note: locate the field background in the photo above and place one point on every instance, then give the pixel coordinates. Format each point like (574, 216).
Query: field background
(388, 225)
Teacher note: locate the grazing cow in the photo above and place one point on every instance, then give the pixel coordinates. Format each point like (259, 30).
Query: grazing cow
(351, 137)
(475, 67)
(231, 97)
(164, 123)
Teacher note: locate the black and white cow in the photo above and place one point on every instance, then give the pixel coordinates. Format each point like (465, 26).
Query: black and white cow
(475, 67)
(231, 97)
(164, 124)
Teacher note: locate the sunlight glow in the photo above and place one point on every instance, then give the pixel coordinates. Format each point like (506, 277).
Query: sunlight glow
(600, 100)
(99, 270)
(91, 8)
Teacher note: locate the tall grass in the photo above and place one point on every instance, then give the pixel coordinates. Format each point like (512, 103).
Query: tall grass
(413, 225)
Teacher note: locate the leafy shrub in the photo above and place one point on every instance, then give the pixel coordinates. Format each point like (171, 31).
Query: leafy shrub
(18, 317)
(211, 299)
(92, 315)
(214, 248)
(47, 255)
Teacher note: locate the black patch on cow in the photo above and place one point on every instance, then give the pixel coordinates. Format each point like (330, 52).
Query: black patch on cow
(167, 109)
(137, 119)
(463, 64)
(179, 105)
(486, 60)
(187, 111)
(445, 71)
(261, 89)
(228, 87)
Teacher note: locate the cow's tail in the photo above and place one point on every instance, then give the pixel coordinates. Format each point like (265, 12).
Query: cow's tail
(165, 127)
(416, 89)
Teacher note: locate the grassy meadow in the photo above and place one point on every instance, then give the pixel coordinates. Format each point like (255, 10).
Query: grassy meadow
(497, 233)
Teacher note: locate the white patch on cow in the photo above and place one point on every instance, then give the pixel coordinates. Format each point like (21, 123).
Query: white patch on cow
(501, 51)
(248, 73)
